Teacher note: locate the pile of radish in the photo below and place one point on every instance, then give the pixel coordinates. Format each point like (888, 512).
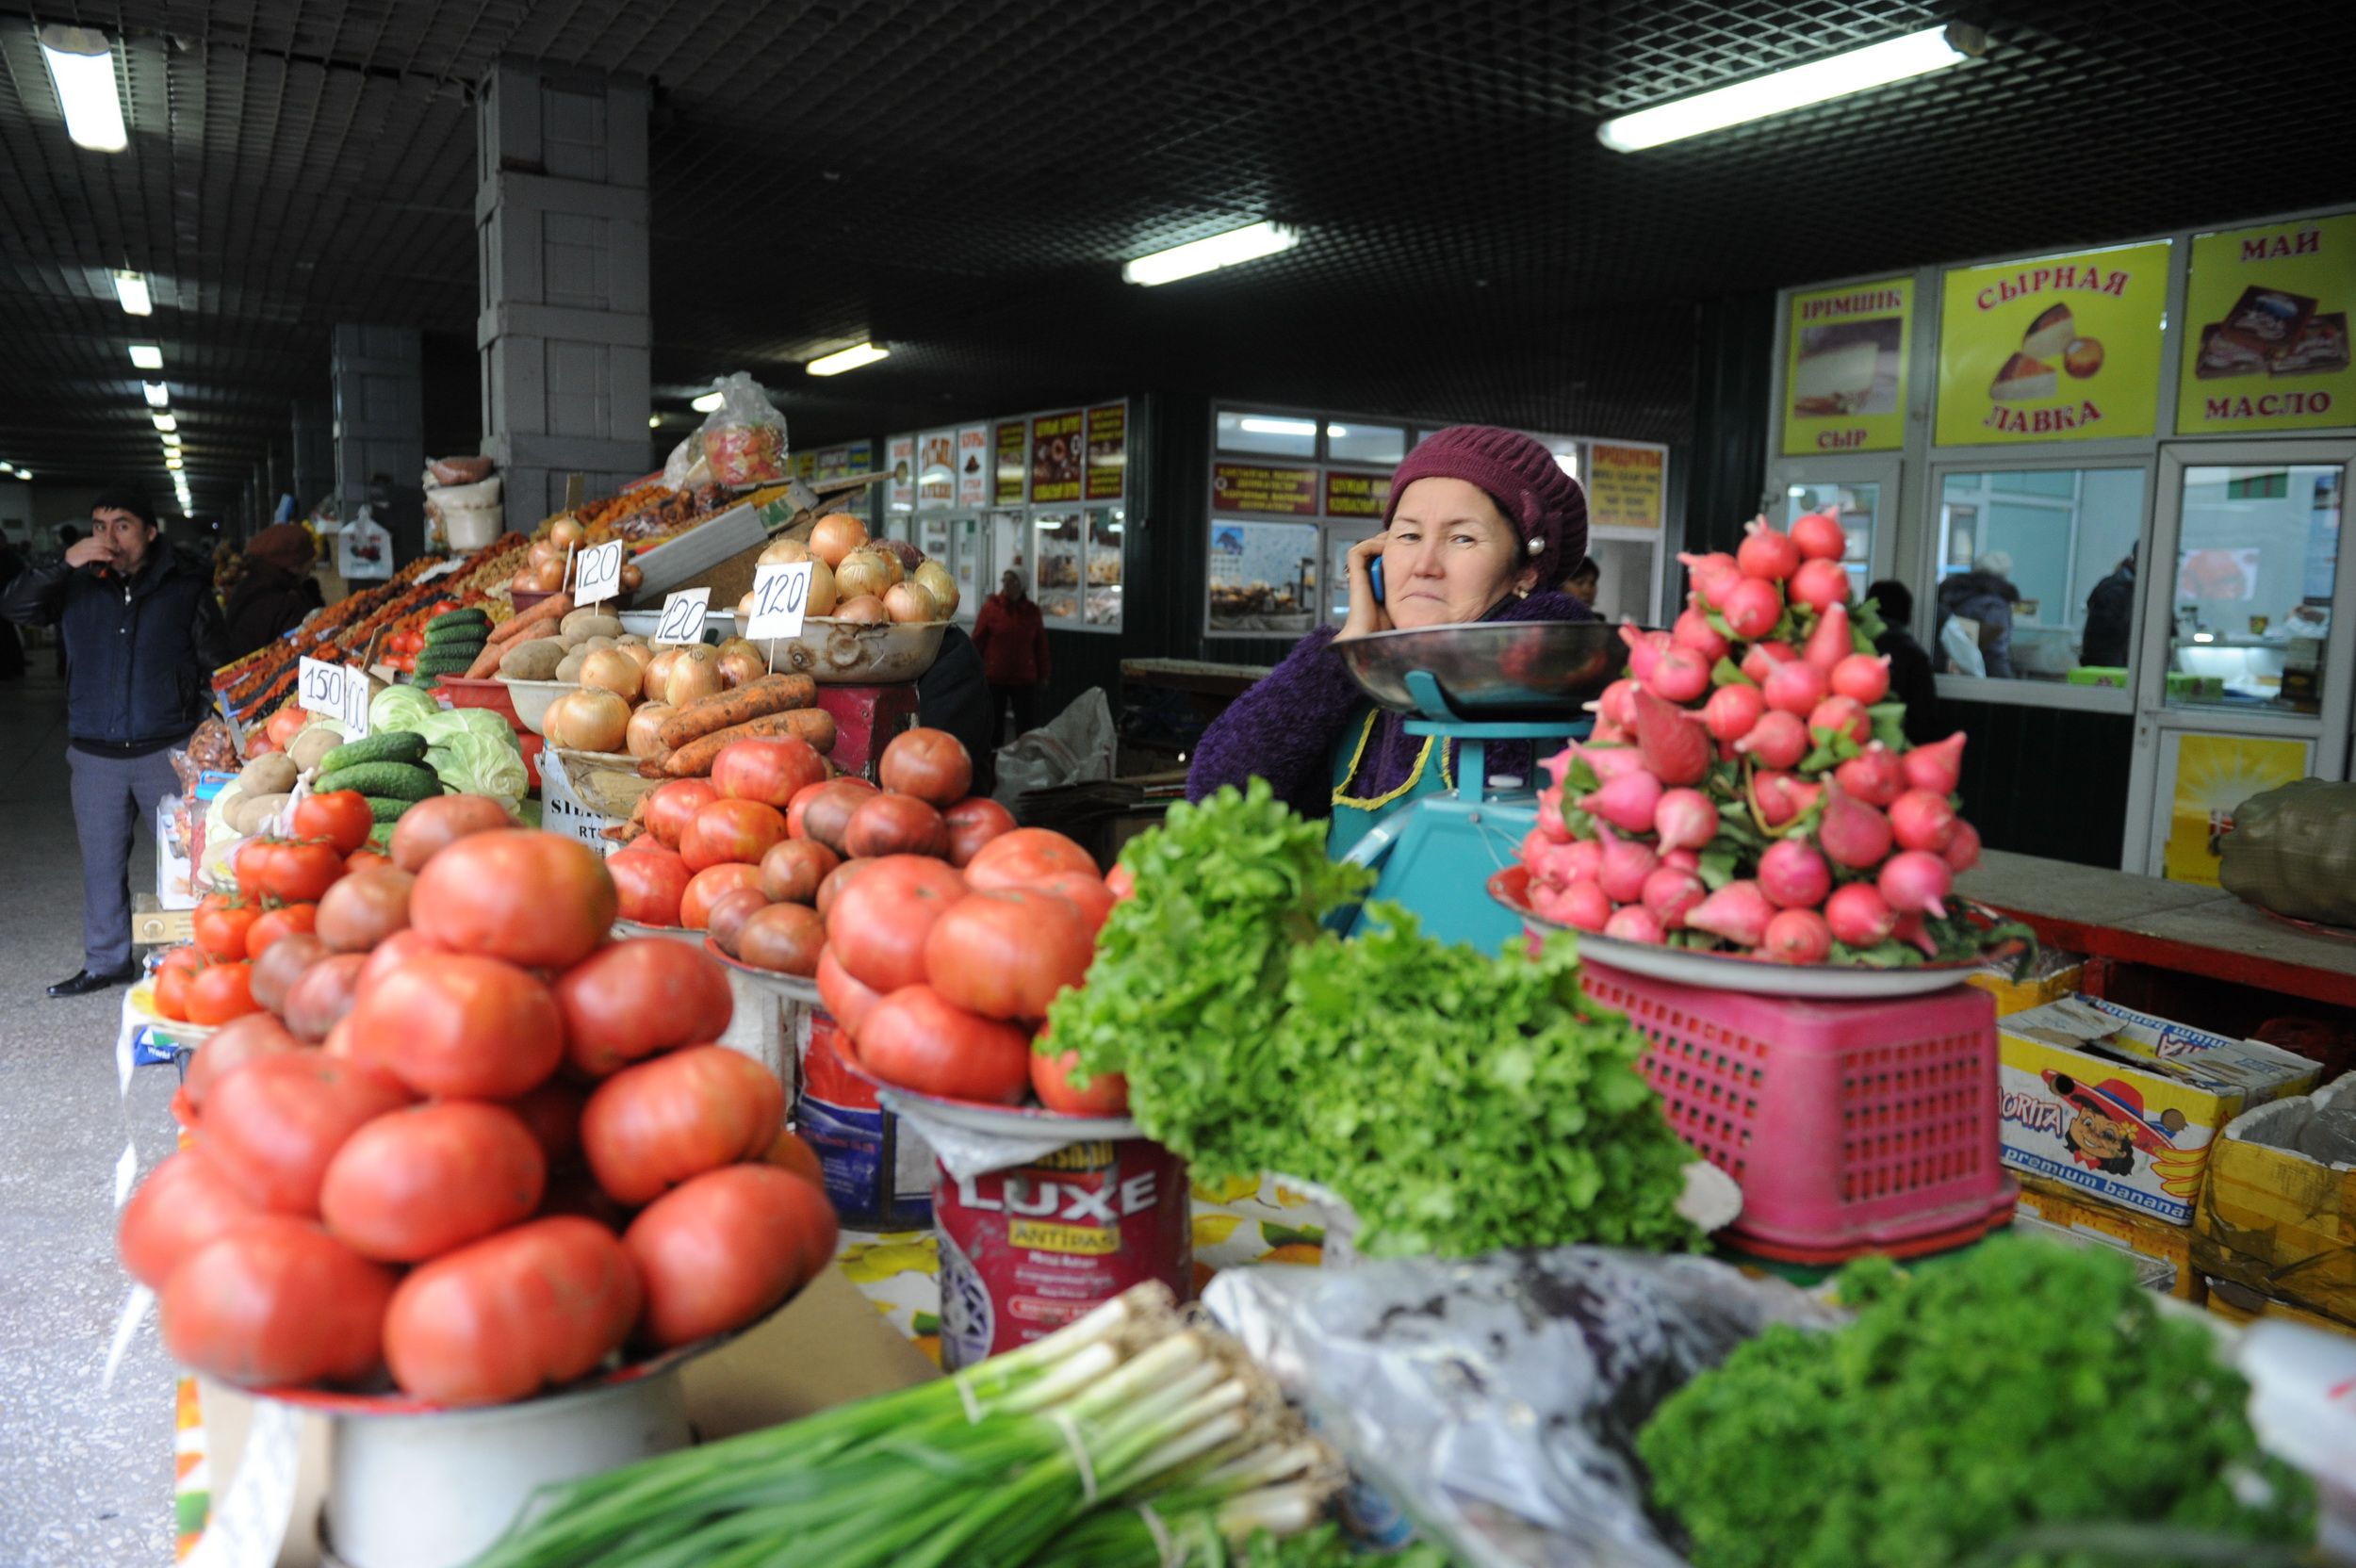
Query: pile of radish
(1748, 789)
(469, 1141)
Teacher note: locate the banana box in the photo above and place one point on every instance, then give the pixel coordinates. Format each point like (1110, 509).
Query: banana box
(2082, 1214)
(2278, 1216)
(2052, 976)
(2125, 1105)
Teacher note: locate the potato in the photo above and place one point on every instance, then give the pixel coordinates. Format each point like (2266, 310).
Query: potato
(251, 813)
(312, 745)
(271, 775)
(535, 660)
(570, 668)
(592, 622)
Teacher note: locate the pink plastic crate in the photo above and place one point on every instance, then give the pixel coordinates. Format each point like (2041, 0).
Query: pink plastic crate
(1851, 1126)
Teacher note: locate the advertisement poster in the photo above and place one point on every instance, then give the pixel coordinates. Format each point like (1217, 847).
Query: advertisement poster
(2214, 774)
(1013, 454)
(936, 469)
(844, 462)
(2265, 329)
(1356, 495)
(900, 489)
(1056, 455)
(1268, 491)
(974, 465)
(1624, 486)
(1264, 576)
(2053, 348)
(1845, 368)
(1107, 452)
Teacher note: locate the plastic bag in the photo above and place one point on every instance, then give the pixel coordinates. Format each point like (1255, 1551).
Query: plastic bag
(1959, 639)
(1498, 1398)
(364, 548)
(740, 444)
(1074, 747)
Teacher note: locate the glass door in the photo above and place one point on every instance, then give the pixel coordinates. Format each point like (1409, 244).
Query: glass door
(969, 566)
(1861, 491)
(2245, 609)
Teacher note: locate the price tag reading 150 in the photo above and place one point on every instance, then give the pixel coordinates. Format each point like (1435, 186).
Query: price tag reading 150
(334, 692)
(780, 599)
(597, 573)
(683, 617)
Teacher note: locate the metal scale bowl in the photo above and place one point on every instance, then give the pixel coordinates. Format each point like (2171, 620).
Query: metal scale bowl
(1504, 680)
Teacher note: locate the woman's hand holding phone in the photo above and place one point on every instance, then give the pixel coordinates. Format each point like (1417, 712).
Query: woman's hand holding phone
(1367, 614)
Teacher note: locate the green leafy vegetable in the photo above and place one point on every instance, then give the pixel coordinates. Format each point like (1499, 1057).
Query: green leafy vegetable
(2020, 1387)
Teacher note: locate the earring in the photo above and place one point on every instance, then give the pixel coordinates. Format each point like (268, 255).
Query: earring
(1523, 592)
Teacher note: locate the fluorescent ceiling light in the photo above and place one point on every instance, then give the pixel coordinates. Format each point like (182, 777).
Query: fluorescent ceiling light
(1337, 432)
(82, 69)
(172, 461)
(1259, 426)
(131, 289)
(158, 395)
(1795, 86)
(706, 403)
(1249, 243)
(165, 421)
(654, 421)
(146, 356)
(846, 359)
(172, 438)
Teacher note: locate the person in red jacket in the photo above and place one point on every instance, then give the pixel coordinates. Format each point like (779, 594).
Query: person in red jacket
(1012, 637)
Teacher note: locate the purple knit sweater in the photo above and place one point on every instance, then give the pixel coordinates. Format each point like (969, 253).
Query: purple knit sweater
(1285, 728)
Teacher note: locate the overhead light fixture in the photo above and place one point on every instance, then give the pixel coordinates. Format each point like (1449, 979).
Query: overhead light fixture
(654, 421)
(1249, 243)
(131, 289)
(172, 438)
(1259, 426)
(82, 69)
(1336, 431)
(1793, 88)
(158, 395)
(165, 421)
(172, 461)
(706, 403)
(146, 356)
(847, 359)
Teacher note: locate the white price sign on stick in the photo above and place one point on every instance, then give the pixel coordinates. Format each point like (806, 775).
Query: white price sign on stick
(683, 617)
(334, 691)
(598, 572)
(780, 599)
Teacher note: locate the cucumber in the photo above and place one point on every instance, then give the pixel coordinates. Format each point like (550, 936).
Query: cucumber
(386, 810)
(394, 781)
(447, 630)
(394, 745)
(447, 657)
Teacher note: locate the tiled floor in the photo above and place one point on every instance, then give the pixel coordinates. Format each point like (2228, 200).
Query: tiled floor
(85, 1474)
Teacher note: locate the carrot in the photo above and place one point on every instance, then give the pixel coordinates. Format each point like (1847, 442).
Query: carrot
(770, 693)
(486, 663)
(694, 759)
(554, 608)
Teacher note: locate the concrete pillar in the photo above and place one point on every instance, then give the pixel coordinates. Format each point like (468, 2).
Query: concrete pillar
(379, 383)
(561, 253)
(314, 472)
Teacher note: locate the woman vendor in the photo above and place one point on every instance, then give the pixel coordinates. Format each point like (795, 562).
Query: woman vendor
(1479, 519)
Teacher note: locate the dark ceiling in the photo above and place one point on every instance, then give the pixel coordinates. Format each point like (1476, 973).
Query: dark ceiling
(961, 179)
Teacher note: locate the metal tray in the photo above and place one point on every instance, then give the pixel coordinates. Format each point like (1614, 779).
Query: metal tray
(1492, 669)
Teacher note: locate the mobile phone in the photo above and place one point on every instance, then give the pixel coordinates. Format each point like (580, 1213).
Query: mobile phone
(1375, 573)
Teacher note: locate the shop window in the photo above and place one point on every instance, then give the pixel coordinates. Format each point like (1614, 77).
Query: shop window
(1264, 578)
(1858, 503)
(1340, 540)
(1357, 443)
(2034, 576)
(2250, 609)
(1106, 527)
(1274, 434)
(1057, 586)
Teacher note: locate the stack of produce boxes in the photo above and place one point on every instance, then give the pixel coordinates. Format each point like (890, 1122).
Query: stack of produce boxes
(2271, 1237)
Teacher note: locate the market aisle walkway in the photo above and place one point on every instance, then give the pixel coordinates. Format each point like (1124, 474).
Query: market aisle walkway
(86, 1476)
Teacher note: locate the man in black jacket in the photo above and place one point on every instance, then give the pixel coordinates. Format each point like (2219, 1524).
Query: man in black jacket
(1910, 679)
(141, 634)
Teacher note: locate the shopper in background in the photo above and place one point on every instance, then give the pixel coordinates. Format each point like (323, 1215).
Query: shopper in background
(276, 591)
(955, 695)
(1480, 521)
(1012, 636)
(1910, 679)
(142, 634)
(2110, 618)
(1985, 595)
(1585, 579)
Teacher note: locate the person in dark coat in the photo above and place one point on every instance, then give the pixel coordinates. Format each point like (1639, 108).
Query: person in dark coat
(277, 591)
(1012, 636)
(1986, 594)
(954, 696)
(142, 635)
(2110, 618)
(1480, 520)
(1910, 679)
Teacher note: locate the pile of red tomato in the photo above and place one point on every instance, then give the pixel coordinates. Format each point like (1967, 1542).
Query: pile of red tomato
(468, 1139)
(936, 930)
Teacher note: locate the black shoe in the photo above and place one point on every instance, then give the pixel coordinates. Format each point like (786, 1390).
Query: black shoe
(84, 982)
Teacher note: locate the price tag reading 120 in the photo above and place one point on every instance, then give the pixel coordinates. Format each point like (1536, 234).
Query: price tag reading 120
(683, 617)
(597, 573)
(780, 598)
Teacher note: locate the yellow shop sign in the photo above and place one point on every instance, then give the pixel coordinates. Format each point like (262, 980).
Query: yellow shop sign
(2265, 329)
(1845, 368)
(2052, 349)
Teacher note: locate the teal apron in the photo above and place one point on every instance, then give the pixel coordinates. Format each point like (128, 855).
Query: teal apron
(1355, 815)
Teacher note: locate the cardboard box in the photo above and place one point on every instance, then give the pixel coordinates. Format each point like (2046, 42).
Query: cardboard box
(2238, 1304)
(2125, 1105)
(2055, 974)
(2083, 1215)
(2277, 1219)
(582, 794)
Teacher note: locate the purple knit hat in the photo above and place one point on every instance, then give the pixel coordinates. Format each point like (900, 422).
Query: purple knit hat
(1544, 504)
